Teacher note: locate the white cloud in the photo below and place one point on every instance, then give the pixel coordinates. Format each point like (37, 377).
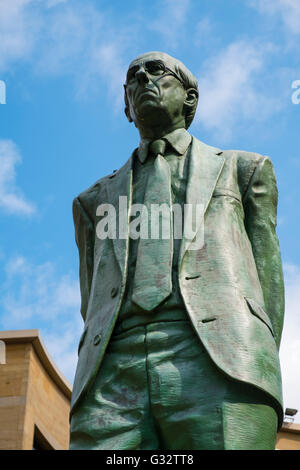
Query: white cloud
(50, 35)
(289, 11)
(63, 38)
(34, 292)
(231, 88)
(69, 36)
(290, 345)
(62, 345)
(171, 20)
(53, 3)
(107, 63)
(19, 25)
(203, 32)
(11, 198)
(36, 296)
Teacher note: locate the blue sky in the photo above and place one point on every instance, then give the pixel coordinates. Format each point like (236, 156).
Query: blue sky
(63, 127)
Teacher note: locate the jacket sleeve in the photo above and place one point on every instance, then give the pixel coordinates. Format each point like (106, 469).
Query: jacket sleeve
(260, 205)
(84, 236)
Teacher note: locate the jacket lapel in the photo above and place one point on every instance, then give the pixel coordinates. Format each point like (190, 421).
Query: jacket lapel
(205, 167)
(204, 170)
(119, 190)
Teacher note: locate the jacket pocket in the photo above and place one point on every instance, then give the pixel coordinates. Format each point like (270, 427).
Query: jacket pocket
(256, 310)
(219, 192)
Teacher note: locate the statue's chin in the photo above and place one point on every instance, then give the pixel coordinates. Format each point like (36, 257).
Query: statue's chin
(149, 110)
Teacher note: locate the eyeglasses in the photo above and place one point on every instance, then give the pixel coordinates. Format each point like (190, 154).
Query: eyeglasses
(156, 68)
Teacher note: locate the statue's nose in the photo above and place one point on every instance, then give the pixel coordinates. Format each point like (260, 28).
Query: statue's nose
(141, 76)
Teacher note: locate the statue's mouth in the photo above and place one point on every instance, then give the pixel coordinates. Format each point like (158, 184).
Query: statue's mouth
(146, 92)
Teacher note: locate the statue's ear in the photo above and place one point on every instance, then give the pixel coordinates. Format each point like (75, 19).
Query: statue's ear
(191, 97)
(126, 110)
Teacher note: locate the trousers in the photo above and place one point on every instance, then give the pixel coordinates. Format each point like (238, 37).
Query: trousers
(157, 388)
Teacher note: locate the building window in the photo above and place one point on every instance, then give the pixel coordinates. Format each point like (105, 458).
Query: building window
(39, 441)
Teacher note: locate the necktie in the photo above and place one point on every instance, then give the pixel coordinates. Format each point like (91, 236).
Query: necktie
(153, 272)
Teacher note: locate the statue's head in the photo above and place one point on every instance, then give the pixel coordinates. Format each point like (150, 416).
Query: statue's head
(160, 89)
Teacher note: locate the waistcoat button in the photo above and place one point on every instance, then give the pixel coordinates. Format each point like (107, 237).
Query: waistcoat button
(114, 291)
(97, 340)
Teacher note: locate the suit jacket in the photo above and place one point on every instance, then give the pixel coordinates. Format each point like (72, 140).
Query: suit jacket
(232, 287)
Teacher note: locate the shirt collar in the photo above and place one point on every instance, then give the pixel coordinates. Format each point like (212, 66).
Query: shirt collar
(179, 140)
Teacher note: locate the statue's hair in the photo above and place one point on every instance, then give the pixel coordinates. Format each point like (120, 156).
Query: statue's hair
(188, 81)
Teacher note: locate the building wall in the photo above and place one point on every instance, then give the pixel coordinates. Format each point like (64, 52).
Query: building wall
(289, 437)
(46, 407)
(29, 398)
(13, 390)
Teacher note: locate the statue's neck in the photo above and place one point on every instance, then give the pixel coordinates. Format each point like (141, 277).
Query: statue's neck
(156, 132)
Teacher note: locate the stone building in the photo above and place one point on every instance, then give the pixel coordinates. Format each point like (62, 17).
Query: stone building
(34, 395)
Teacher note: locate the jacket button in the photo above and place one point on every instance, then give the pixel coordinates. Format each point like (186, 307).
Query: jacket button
(97, 340)
(114, 291)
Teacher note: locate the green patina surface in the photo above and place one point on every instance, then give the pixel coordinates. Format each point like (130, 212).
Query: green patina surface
(191, 361)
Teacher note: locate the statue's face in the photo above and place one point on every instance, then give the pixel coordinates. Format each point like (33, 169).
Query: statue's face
(154, 90)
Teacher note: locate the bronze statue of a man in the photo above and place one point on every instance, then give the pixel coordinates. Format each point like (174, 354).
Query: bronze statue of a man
(180, 343)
